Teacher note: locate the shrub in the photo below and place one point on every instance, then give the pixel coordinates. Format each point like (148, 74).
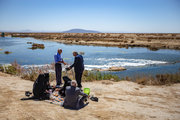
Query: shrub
(11, 70)
(92, 76)
(159, 79)
(1, 68)
(30, 76)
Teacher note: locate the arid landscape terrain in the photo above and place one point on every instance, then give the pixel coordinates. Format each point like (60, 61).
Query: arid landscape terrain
(153, 41)
(117, 101)
(127, 52)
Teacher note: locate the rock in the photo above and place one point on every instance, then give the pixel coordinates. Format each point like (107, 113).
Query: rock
(112, 69)
(117, 68)
(81, 53)
(29, 42)
(7, 52)
(36, 46)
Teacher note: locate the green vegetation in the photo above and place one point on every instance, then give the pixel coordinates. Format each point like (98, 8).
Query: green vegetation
(159, 79)
(31, 76)
(89, 76)
(8, 69)
(11, 70)
(92, 76)
(15, 69)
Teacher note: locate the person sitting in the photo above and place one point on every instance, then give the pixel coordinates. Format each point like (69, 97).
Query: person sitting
(75, 97)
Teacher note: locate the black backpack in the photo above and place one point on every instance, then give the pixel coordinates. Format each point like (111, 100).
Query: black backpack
(40, 86)
(67, 82)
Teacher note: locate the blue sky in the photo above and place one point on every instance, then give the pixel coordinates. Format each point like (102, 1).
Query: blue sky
(154, 16)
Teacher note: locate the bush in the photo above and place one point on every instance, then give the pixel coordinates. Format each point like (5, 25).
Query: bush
(92, 76)
(1, 68)
(8, 69)
(159, 79)
(31, 76)
(11, 70)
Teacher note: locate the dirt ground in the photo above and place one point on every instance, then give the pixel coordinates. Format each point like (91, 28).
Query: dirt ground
(117, 101)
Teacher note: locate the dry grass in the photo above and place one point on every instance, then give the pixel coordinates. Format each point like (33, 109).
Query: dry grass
(30, 73)
(89, 76)
(159, 79)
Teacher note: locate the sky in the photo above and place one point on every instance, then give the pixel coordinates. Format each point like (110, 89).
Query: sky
(119, 16)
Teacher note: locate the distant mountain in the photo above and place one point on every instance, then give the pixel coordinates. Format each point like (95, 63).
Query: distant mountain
(80, 31)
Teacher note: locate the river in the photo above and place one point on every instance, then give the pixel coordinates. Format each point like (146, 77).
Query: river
(137, 61)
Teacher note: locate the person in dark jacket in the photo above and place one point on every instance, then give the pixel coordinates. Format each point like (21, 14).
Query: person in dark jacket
(75, 97)
(78, 67)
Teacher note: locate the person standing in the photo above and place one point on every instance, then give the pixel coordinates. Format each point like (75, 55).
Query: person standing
(58, 67)
(78, 67)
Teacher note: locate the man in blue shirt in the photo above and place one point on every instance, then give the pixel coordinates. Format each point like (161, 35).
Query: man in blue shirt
(78, 67)
(58, 68)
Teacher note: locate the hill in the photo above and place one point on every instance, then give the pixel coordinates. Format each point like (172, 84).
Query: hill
(80, 31)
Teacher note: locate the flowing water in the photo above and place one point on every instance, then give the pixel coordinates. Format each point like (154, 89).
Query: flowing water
(138, 61)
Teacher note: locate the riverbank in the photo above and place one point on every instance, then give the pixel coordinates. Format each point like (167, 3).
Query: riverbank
(153, 41)
(32, 72)
(117, 101)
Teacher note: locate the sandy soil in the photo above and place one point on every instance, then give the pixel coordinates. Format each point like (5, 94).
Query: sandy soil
(117, 101)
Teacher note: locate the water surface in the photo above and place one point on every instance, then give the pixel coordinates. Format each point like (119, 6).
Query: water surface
(136, 60)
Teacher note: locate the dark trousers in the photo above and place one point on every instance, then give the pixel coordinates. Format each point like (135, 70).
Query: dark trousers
(78, 76)
(81, 102)
(58, 70)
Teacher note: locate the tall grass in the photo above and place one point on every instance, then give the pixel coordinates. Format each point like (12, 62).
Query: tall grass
(92, 76)
(159, 79)
(32, 73)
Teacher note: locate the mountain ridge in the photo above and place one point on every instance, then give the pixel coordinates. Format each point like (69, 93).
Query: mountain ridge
(80, 31)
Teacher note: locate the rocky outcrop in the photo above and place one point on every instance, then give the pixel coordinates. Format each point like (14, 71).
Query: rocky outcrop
(112, 69)
(37, 46)
(7, 52)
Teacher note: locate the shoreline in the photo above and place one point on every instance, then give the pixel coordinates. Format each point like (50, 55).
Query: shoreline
(152, 41)
(31, 73)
